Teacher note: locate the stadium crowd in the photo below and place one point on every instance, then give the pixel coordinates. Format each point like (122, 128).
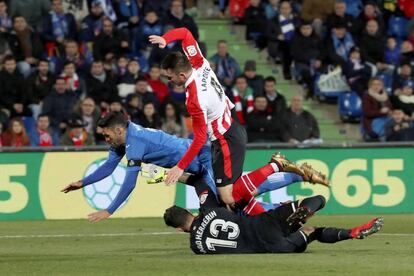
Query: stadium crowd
(65, 63)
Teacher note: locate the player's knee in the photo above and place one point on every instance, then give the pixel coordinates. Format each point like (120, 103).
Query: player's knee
(322, 200)
(226, 194)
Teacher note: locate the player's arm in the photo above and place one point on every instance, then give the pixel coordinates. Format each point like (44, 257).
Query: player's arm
(189, 44)
(114, 157)
(134, 166)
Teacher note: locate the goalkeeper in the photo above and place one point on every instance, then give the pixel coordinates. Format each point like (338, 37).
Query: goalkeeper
(156, 147)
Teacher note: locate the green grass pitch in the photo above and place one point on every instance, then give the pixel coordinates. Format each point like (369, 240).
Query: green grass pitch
(147, 247)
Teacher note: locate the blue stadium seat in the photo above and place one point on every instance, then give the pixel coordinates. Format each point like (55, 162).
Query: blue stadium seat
(387, 79)
(349, 107)
(398, 27)
(354, 7)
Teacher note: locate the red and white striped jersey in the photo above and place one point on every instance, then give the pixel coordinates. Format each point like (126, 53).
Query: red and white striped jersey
(206, 101)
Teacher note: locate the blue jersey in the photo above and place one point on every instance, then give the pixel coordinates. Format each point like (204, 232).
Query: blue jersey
(155, 147)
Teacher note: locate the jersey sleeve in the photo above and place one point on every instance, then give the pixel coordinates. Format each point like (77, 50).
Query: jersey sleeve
(199, 117)
(127, 186)
(189, 44)
(114, 157)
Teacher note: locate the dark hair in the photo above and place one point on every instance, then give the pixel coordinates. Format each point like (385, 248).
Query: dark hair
(270, 79)
(176, 109)
(177, 62)
(68, 62)
(113, 119)
(97, 61)
(44, 60)
(221, 41)
(60, 78)
(17, 15)
(141, 78)
(175, 216)
(43, 115)
(8, 58)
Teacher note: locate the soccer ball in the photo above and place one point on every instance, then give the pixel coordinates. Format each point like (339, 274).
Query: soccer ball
(99, 195)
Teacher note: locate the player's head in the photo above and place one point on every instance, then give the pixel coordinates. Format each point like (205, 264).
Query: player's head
(114, 127)
(179, 218)
(176, 67)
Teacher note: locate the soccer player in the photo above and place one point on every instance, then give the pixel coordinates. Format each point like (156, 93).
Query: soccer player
(217, 230)
(152, 146)
(210, 110)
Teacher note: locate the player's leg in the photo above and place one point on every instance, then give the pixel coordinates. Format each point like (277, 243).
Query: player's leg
(305, 209)
(333, 235)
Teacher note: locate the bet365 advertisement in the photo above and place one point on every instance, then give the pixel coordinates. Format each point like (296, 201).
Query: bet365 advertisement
(363, 181)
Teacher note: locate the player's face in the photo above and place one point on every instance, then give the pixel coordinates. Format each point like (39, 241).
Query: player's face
(176, 78)
(113, 136)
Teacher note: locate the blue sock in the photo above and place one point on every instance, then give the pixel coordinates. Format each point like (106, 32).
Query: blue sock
(277, 181)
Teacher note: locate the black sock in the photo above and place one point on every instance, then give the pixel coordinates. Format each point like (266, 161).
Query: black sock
(331, 235)
(314, 203)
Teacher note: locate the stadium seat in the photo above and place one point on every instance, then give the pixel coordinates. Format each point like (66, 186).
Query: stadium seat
(350, 107)
(387, 79)
(398, 27)
(353, 7)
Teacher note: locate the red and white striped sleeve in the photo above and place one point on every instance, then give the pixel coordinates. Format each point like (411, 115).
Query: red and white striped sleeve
(199, 116)
(189, 44)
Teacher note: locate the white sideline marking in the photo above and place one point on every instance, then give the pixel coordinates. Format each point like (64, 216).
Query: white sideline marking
(141, 234)
(87, 235)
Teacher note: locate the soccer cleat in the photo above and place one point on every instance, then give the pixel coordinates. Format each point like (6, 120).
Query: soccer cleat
(285, 165)
(313, 176)
(367, 229)
(299, 216)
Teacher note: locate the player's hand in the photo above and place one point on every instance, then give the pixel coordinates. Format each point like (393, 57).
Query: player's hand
(98, 216)
(173, 175)
(72, 187)
(156, 39)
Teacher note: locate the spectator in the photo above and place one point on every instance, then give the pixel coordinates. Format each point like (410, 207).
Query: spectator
(403, 74)
(133, 106)
(307, 52)
(272, 9)
(177, 18)
(300, 126)
(261, 124)
(237, 8)
(339, 44)
(371, 12)
(5, 19)
(59, 105)
(121, 66)
(43, 135)
(256, 24)
(33, 10)
(316, 12)
(89, 113)
(25, 45)
(12, 89)
(404, 100)
(254, 80)
(146, 96)
(91, 25)
(15, 135)
(150, 117)
(133, 72)
(392, 52)
(76, 134)
(227, 67)
(242, 96)
(127, 14)
(38, 86)
(116, 105)
(150, 25)
(398, 128)
(100, 85)
(58, 26)
(72, 54)
(110, 43)
(159, 88)
(407, 53)
(74, 82)
(276, 101)
(376, 106)
(356, 72)
(340, 15)
(177, 94)
(279, 35)
(172, 120)
(373, 45)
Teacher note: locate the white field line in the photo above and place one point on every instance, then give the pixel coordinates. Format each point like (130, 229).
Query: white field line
(141, 234)
(87, 235)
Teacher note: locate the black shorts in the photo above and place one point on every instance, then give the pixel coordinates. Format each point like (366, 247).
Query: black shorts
(228, 153)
